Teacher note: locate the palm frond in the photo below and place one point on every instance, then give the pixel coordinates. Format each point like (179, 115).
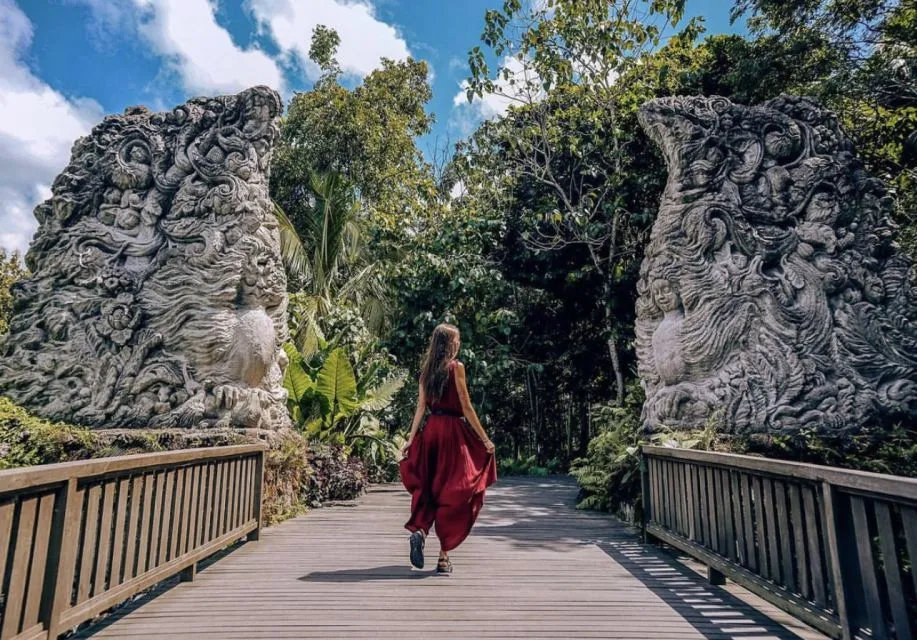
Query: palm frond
(292, 251)
(358, 282)
(305, 331)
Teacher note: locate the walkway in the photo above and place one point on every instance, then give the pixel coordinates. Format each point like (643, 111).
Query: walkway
(533, 568)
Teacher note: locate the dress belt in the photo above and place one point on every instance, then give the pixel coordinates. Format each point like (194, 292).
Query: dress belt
(446, 412)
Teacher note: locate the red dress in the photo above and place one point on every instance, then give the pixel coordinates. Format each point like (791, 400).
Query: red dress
(447, 469)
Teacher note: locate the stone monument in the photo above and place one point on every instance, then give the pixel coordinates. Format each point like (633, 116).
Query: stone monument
(157, 297)
(771, 291)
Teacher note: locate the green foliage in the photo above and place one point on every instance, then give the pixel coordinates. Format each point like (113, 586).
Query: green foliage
(323, 49)
(11, 270)
(332, 406)
(527, 467)
(337, 386)
(891, 449)
(26, 440)
(366, 135)
(325, 252)
(323, 389)
(609, 474)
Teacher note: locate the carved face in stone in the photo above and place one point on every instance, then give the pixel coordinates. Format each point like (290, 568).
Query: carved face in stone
(795, 309)
(665, 295)
(167, 275)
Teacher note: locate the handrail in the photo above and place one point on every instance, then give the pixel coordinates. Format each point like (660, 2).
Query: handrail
(834, 547)
(906, 488)
(77, 538)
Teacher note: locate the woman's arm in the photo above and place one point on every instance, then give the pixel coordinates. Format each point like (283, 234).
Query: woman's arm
(418, 415)
(468, 409)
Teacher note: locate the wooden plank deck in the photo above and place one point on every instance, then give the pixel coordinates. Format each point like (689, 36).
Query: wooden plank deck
(534, 567)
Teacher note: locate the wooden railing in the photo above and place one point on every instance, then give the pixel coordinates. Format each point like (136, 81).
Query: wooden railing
(80, 537)
(835, 548)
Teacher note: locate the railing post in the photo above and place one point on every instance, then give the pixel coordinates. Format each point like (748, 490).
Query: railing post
(715, 577)
(645, 491)
(259, 483)
(833, 555)
(62, 559)
(188, 573)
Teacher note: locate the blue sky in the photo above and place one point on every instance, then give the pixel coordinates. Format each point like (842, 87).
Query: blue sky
(65, 63)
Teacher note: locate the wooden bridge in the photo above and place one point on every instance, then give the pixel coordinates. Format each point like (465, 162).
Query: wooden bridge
(169, 530)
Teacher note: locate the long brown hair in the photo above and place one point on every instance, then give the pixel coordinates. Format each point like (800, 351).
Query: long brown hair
(434, 372)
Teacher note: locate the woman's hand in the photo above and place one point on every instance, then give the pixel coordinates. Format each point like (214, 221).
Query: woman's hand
(404, 449)
(489, 445)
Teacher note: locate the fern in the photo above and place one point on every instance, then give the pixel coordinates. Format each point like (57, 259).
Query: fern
(381, 397)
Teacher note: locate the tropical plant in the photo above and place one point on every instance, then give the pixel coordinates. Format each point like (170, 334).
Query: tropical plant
(330, 405)
(609, 474)
(528, 467)
(324, 251)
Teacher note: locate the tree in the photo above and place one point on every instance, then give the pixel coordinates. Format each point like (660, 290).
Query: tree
(322, 51)
(349, 179)
(326, 255)
(366, 135)
(567, 134)
(11, 271)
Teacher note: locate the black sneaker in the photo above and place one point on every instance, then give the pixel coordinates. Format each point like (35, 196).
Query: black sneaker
(417, 542)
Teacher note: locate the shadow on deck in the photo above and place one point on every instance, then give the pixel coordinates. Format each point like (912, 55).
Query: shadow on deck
(533, 567)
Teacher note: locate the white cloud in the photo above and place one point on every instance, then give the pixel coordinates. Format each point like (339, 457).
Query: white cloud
(108, 17)
(201, 51)
(458, 190)
(490, 105)
(38, 125)
(364, 38)
(187, 35)
(521, 87)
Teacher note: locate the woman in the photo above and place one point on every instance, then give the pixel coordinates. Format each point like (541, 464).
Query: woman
(450, 462)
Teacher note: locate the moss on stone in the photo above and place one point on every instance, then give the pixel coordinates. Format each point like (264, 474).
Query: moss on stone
(27, 440)
(294, 477)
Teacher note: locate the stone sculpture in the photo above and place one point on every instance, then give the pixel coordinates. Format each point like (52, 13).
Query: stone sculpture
(157, 296)
(771, 291)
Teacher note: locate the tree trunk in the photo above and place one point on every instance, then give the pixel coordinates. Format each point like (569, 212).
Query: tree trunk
(583, 428)
(609, 317)
(619, 375)
(613, 348)
(570, 416)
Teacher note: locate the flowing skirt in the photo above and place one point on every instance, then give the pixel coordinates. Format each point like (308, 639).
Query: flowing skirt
(446, 470)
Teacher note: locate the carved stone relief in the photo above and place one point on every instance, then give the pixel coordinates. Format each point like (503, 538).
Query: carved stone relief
(157, 296)
(771, 289)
